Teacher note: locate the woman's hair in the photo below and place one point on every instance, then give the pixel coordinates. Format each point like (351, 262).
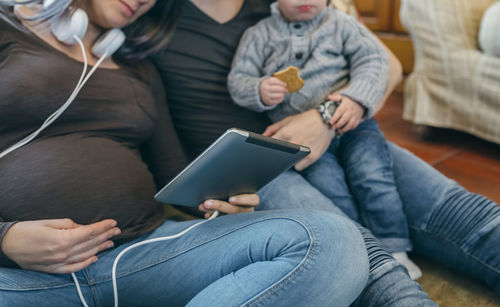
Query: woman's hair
(146, 36)
(152, 31)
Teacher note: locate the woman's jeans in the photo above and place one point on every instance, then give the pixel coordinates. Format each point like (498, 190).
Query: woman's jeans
(275, 258)
(356, 174)
(447, 224)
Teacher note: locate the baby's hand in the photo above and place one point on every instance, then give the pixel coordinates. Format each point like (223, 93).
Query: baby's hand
(348, 115)
(272, 91)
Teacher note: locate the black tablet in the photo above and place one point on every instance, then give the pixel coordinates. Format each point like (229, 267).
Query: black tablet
(238, 162)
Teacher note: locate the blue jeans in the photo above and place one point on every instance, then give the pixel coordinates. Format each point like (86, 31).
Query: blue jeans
(447, 224)
(356, 173)
(274, 258)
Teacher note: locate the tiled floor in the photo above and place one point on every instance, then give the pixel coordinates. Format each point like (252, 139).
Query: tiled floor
(471, 161)
(475, 164)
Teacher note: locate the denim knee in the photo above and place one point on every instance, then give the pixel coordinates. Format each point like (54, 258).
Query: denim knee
(335, 267)
(345, 253)
(470, 223)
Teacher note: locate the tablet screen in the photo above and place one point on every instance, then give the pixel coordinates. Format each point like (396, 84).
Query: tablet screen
(238, 162)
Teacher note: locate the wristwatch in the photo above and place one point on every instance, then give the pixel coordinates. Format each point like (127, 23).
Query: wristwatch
(326, 109)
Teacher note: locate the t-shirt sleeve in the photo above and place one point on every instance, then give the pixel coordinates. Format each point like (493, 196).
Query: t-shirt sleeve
(4, 260)
(163, 152)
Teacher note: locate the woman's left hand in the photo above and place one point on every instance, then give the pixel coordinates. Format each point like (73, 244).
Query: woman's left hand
(236, 204)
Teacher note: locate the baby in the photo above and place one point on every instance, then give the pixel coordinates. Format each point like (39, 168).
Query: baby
(334, 53)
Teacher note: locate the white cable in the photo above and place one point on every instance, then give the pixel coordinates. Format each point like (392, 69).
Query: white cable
(77, 284)
(81, 82)
(115, 263)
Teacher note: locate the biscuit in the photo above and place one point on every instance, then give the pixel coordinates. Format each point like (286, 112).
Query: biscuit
(291, 77)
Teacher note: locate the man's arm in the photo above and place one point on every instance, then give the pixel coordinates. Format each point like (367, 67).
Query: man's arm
(308, 128)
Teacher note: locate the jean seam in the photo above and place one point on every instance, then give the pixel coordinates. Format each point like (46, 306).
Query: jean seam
(437, 203)
(299, 268)
(168, 257)
(40, 287)
(460, 248)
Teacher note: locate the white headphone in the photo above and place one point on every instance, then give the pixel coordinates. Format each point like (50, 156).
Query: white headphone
(69, 28)
(74, 23)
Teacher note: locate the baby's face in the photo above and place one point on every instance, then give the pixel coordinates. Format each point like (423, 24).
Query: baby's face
(301, 10)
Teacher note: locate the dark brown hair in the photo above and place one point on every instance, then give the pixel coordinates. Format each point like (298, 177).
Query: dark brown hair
(146, 36)
(151, 32)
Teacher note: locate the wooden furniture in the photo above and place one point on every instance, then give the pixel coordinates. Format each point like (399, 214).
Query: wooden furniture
(382, 17)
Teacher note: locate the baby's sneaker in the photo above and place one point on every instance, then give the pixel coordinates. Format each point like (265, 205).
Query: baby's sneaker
(413, 269)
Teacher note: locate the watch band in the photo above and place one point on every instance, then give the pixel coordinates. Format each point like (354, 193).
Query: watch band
(326, 109)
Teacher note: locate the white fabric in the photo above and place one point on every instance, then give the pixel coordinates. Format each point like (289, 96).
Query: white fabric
(489, 32)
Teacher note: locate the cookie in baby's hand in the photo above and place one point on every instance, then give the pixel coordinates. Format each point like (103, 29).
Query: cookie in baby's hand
(291, 77)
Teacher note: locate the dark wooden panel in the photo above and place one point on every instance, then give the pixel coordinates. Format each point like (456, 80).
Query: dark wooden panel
(376, 14)
(402, 47)
(396, 22)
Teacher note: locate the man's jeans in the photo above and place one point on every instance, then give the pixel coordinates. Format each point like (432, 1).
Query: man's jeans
(447, 224)
(356, 174)
(279, 258)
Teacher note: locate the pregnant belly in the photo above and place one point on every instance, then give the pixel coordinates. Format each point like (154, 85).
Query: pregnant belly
(83, 178)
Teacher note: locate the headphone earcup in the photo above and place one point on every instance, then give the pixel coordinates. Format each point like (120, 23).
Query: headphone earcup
(68, 25)
(108, 43)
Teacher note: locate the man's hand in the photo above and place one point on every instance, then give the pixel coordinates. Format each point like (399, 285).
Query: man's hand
(236, 204)
(57, 246)
(272, 91)
(305, 129)
(348, 115)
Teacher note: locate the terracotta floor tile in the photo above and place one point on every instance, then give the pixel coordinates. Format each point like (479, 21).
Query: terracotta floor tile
(471, 161)
(403, 134)
(476, 177)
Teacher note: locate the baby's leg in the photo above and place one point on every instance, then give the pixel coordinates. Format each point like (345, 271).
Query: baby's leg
(329, 178)
(367, 163)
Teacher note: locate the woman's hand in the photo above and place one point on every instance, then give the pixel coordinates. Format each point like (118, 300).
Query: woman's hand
(237, 204)
(305, 129)
(57, 246)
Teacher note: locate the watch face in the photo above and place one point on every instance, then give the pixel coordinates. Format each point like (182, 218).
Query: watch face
(331, 107)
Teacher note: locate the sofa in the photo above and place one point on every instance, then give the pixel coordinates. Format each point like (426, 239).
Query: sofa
(454, 83)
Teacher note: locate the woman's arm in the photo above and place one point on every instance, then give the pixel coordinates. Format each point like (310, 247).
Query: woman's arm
(57, 246)
(163, 152)
(4, 260)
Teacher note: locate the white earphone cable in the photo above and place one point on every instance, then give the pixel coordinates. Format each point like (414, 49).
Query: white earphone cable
(115, 262)
(77, 284)
(50, 119)
(81, 82)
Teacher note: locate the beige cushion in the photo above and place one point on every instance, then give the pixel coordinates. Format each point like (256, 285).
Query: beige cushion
(489, 33)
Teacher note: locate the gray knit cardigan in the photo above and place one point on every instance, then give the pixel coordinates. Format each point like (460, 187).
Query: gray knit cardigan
(330, 50)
